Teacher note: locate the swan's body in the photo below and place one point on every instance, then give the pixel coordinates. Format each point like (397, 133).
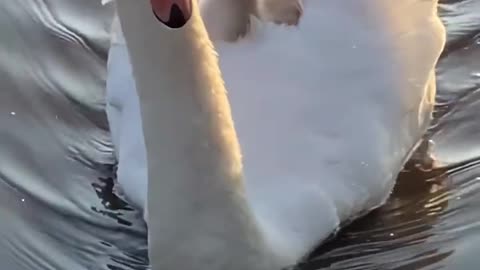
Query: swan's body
(326, 116)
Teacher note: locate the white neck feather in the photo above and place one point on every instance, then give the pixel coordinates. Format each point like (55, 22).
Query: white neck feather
(198, 215)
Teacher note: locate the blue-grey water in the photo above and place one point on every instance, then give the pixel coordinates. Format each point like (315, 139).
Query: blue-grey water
(59, 207)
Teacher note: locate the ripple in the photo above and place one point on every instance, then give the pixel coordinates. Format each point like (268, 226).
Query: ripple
(60, 206)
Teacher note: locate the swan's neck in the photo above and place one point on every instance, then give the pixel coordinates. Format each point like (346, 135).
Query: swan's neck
(198, 215)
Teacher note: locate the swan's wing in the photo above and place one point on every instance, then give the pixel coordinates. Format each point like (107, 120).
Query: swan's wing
(327, 113)
(226, 20)
(123, 112)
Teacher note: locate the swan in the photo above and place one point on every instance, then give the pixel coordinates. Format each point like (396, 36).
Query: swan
(323, 131)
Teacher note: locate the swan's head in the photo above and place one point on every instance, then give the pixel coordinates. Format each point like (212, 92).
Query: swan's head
(172, 13)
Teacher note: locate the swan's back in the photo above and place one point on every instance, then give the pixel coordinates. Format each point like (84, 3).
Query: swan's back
(328, 114)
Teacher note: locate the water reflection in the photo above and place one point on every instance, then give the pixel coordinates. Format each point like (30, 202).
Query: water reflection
(59, 205)
(395, 235)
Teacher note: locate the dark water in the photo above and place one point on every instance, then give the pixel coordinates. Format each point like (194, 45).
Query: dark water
(58, 205)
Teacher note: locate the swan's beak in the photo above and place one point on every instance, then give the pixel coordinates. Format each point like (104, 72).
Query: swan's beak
(172, 13)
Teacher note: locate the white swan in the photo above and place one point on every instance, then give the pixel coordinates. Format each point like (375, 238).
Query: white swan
(326, 115)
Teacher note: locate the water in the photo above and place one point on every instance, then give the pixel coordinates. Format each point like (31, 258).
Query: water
(59, 208)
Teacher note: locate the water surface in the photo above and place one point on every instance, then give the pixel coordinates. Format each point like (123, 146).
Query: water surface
(60, 209)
